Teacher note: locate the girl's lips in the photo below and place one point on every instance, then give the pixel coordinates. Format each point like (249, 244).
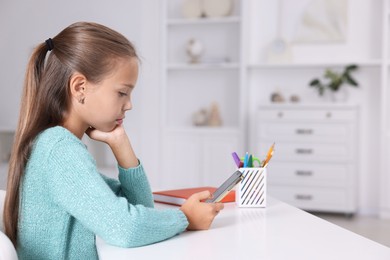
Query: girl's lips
(119, 121)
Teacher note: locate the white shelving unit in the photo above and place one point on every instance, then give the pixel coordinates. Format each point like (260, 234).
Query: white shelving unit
(200, 155)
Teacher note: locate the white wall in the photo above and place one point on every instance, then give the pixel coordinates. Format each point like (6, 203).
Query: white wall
(362, 38)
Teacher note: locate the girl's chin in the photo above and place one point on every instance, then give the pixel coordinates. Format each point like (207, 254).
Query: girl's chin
(107, 129)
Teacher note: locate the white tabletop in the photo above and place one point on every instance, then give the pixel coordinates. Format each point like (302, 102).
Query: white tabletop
(279, 231)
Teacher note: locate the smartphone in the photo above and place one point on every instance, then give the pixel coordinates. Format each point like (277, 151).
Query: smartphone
(227, 186)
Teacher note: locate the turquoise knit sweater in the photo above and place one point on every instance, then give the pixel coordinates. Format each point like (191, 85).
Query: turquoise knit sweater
(65, 202)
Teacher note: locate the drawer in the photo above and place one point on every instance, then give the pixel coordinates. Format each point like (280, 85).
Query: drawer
(332, 132)
(319, 174)
(327, 115)
(308, 152)
(313, 198)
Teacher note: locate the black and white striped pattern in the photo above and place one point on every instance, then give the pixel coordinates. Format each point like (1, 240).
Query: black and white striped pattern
(252, 188)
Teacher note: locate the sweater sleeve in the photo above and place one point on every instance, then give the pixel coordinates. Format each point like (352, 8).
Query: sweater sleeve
(133, 185)
(76, 186)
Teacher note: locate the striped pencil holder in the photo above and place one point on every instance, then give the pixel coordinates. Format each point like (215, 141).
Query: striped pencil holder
(252, 190)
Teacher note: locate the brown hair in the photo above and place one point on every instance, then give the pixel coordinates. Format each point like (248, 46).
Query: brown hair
(88, 48)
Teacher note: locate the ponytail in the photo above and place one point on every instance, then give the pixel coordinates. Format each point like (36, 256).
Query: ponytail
(23, 140)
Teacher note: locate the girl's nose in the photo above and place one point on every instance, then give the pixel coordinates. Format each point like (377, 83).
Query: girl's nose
(128, 105)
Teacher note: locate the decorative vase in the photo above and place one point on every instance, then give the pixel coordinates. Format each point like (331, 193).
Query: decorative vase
(194, 50)
(339, 96)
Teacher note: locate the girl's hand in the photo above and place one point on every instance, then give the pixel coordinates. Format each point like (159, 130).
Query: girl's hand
(200, 215)
(117, 135)
(119, 143)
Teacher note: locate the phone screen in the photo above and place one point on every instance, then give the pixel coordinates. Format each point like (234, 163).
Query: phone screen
(227, 186)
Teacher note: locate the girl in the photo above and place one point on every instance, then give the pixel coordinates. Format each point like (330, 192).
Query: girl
(56, 200)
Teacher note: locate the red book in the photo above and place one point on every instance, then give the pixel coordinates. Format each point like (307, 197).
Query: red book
(178, 197)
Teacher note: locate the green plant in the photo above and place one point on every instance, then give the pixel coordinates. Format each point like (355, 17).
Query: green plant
(335, 80)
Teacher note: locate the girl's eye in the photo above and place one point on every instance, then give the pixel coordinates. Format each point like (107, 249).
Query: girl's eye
(122, 94)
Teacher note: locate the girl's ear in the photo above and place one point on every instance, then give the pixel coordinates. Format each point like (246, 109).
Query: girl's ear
(77, 85)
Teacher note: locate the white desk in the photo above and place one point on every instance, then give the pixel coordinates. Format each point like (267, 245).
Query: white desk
(279, 231)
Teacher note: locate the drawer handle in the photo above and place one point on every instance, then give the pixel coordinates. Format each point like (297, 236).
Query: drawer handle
(280, 114)
(328, 114)
(303, 173)
(304, 151)
(304, 131)
(303, 197)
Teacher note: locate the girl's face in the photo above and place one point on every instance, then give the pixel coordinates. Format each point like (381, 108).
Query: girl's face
(106, 102)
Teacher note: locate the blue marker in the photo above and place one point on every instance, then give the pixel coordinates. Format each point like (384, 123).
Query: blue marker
(246, 160)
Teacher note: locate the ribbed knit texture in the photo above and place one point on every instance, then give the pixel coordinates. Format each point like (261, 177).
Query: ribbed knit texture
(65, 202)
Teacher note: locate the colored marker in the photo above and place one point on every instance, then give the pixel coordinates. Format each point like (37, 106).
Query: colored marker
(250, 161)
(246, 160)
(236, 159)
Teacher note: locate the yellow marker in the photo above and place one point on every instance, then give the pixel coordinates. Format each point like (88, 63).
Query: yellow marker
(269, 155)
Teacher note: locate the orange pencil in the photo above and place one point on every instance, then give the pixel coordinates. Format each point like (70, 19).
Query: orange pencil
(269, 155)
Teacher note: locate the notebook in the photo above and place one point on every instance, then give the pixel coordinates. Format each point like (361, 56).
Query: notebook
(178, 197)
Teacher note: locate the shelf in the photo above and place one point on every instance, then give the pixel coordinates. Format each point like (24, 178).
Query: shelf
(207, 66)
(370, 63)
(204, 21)
(202, 66)
(291, 106)
(202, 130)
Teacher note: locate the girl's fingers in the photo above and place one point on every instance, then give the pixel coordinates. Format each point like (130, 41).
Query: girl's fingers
(202, 195)
(219, 206)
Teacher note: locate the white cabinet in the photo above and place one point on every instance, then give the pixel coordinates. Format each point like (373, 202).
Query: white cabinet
(200, 155)
(315, 165)
(197, 159)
